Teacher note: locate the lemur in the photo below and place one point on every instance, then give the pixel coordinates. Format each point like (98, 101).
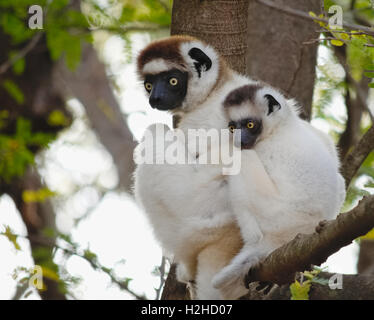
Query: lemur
(191, 208)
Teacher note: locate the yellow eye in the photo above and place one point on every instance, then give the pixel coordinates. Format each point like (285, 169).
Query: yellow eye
(173, 81)
(148, 86)
(250, 125)
(231, 128)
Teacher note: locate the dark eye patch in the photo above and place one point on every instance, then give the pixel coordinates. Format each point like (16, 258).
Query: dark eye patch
(166, 75)
(257, 124)
(164, 95)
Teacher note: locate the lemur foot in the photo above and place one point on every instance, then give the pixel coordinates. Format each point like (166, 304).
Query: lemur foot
(321, 225)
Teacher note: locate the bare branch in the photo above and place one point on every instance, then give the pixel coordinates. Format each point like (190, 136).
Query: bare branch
(162, 271)
(304, 250)
(304, 15)
(354, 159)
(355, 287)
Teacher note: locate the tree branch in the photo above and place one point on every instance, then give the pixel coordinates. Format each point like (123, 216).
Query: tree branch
(162, 271)
(354, 287)
(304, 15)
(304, 250)
(354, 159)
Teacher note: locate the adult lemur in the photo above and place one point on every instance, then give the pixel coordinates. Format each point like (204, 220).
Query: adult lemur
(189, 206)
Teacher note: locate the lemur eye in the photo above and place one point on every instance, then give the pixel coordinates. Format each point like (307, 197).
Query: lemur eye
(173, 81)
(250, 125)
(231, 128)
(148, 86)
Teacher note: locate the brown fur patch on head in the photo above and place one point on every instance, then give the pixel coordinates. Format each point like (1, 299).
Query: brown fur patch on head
(241, 94)
(167, 49)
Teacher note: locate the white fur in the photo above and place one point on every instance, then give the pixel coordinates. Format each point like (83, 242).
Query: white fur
(183, 201)
(303, 165)
(187, 205)
(199, 87)
(157, 66)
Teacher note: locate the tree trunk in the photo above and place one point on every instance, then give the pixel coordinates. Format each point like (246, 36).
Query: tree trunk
(223, 24)
(276, 50)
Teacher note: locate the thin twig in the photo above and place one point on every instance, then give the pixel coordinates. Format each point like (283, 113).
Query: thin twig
(354, 159)
(304, 15)
(320, 39)
(162, 270)
(343, 31)
(359, 91)
(21, 54)
(94, 264)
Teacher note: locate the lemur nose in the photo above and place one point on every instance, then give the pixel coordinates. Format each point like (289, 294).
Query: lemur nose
(154, 101)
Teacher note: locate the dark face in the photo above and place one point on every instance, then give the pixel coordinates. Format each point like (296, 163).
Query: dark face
(167, 89)
(250, 130)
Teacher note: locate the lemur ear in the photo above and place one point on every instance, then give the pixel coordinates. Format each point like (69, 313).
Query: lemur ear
(272, 102)
(203, 62)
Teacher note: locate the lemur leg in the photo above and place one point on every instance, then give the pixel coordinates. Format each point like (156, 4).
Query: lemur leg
(212, 259)
(230, 279)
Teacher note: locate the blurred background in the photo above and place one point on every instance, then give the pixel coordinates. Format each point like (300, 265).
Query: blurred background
(72, 109)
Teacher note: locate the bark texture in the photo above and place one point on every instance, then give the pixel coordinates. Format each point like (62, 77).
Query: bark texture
(173, 289)
(223, 24)
(365, 263)
(276, 50)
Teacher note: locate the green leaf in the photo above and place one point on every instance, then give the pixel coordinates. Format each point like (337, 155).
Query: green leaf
(337, 43)
(89, 255)
(371, 85)
(312, 14)
(49, 232)
(15, 154)
(50, 274)
(40, 195)
(359, 57)
(369, 235)
(369, 74)
(369, 184)
(73, 53)
(300, 291)
(14, 91)
(344, 36)
(19, 64)
(11, 237)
